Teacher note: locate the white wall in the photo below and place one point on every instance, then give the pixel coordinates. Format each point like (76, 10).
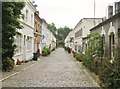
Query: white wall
(27, 34)
(85, 24)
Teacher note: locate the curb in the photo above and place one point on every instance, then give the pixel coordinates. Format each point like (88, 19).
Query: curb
(85, 72)
(18, 72)
(88, 76)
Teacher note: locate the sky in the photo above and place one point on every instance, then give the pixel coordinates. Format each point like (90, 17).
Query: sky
(70, 12)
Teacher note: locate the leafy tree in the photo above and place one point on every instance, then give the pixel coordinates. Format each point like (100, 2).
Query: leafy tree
(62, 33)
(59, 33)
(52, 28)
(11, 13)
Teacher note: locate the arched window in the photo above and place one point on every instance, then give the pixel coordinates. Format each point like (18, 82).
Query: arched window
(112, 45)
(119, 36)
(103, 44)
(119, 42)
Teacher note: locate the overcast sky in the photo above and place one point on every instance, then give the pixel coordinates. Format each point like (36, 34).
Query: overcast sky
(69, 12)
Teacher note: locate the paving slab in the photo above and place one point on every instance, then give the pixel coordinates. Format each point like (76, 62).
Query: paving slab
(57, 70)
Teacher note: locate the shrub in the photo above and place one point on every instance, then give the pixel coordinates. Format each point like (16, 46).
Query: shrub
(53, 49)
(74, 53)
(110, 76)
(78, 56)
(109, 73)
(67, 49)
(8, 64)
(46, 51)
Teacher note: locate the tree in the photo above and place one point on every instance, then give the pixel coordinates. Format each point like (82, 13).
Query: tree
(61, 32)
(11, 13)
(52, 28)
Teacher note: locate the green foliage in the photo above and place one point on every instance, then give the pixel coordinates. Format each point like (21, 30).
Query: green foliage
(46, 51)
(74, 53)
(8, 64)
(10, 23)
(78, 56)
(59, 33)
(62, 33)
(11, 12)
(88, 60)
(95, 49)
(95, 44)
(52, 28)
(93, 59)
(110, 76)
(67, 49)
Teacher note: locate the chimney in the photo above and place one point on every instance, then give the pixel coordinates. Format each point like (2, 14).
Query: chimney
(110, 11)
(117, 7)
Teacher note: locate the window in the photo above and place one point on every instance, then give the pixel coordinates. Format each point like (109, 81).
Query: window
(119, 36)
(31, 19)
(35, 26)
(119, 42)
(26, 15)
(18, 44)
(111, 45)
(75, 47)
(79, 49)
(29, 43)
(78, 33)
(83, 47)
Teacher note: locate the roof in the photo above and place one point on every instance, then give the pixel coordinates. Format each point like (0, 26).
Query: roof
(85, 18)
(106, 21)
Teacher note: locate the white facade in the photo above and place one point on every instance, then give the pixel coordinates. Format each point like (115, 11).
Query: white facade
(53, 44)
(48, 38)
(68, 42)
(44, 27)
(25, 42)
(82, 30)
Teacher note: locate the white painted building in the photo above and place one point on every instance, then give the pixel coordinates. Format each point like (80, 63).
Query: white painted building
(25, 42)
(48, 39)
(53, 40)
(82, 30)
(69, 40)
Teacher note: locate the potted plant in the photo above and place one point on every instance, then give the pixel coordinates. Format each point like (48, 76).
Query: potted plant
(8, 64)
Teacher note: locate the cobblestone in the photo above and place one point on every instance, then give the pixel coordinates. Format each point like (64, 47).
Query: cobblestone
(56, 70)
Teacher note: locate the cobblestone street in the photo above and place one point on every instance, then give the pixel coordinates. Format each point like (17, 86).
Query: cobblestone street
(57, 70)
